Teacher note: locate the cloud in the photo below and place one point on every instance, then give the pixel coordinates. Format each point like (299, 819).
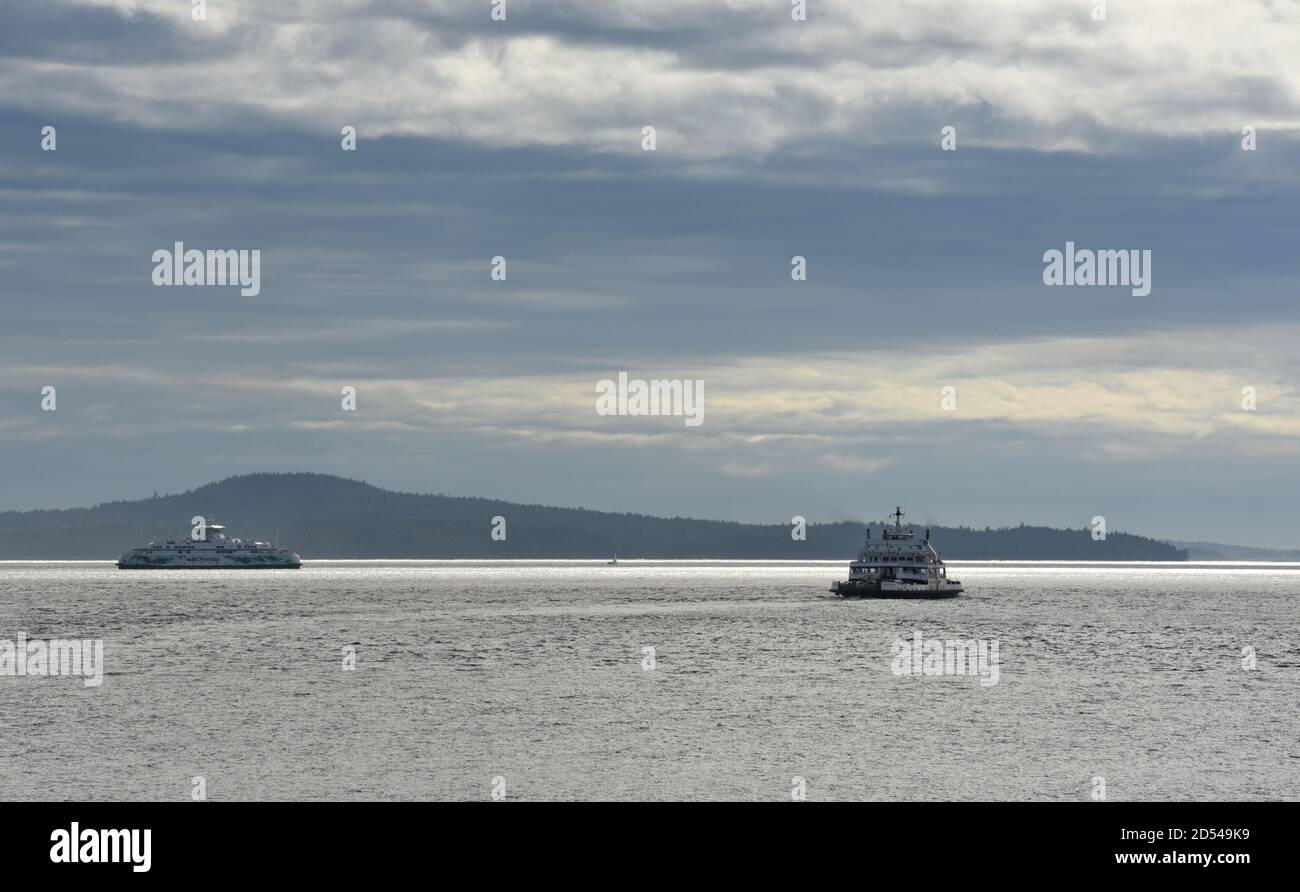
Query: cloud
(776, 138)
(1089, 387)
(730, 80)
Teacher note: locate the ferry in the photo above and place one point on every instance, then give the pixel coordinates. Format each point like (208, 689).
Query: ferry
(897, 565)
(214, 552)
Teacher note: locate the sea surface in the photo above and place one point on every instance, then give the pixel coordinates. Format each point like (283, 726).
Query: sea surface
(531, 679)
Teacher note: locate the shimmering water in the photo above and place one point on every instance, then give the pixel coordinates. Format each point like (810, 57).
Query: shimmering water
(533, 672)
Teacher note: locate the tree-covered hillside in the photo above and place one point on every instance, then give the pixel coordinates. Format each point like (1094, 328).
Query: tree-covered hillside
(322, 516)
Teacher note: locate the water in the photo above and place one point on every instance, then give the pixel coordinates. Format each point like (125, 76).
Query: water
(532, 672)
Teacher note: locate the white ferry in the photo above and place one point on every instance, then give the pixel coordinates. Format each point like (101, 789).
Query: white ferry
(215, 552)
(898, 565)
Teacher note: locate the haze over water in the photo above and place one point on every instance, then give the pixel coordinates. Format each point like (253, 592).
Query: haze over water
(532, 671)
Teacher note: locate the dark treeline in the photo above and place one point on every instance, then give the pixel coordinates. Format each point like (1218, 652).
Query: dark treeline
(321, 516)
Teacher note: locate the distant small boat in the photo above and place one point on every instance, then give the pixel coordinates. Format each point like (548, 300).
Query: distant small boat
(613, 562)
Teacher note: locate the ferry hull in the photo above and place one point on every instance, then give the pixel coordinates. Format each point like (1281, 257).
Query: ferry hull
(122, 566)
(906, 592)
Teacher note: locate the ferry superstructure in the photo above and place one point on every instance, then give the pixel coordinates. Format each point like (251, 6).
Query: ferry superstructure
(897, 565)
(213, 552)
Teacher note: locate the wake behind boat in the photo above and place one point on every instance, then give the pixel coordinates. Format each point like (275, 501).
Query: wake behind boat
(213, 552)
(898, 565)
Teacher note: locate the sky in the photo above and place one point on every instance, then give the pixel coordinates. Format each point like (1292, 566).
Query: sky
(774, 138)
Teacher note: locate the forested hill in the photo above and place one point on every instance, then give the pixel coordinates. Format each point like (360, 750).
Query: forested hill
(322, 516)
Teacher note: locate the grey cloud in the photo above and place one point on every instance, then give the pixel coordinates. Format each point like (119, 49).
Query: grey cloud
(375, 262)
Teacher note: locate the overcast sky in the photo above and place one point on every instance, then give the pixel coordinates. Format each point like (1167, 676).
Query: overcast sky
(774, 138)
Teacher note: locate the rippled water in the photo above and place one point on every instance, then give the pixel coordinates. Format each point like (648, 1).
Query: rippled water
(533, 672)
